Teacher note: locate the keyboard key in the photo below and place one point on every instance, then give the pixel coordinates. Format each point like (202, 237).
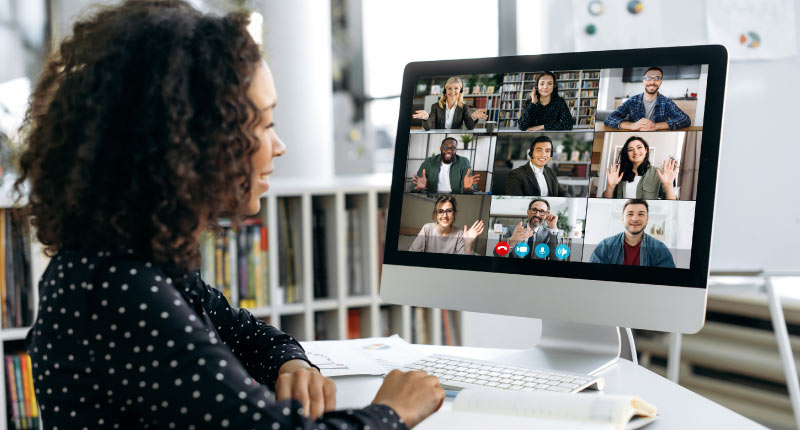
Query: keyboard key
(558, 389)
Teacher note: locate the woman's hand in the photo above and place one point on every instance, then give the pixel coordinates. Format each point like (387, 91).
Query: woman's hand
(413, 395)
(420, 114)
(474, 231)
(614, 175)
(479, 114)
(471, 234)
(668, 172)
(298, 380)
(534, 99)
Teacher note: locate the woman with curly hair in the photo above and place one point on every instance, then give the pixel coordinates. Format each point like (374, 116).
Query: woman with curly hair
(150, 123)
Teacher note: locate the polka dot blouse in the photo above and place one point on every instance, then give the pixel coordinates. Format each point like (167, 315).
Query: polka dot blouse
(117, 344)
(554, 115)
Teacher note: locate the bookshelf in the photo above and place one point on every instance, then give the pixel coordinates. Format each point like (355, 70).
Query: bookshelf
(12, 335)
(337, 229)
(579, 88)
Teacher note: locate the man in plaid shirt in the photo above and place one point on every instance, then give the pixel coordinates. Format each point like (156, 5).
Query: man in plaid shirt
(649, 111)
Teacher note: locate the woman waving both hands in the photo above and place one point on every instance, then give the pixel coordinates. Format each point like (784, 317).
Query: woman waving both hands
(633, 177)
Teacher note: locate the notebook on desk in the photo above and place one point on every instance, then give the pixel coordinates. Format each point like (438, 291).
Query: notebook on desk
(502, 409)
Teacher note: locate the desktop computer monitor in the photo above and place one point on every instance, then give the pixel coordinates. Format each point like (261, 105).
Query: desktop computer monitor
(574, 187)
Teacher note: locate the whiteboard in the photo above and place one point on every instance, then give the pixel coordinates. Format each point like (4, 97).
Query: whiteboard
(757, 215)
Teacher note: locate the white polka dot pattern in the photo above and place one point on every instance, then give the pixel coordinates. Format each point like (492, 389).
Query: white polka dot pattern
(150, 351)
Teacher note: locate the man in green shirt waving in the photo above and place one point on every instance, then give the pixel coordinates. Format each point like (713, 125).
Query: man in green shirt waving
(446, 172)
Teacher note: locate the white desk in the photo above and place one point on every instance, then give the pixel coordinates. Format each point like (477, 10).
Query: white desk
(678, 407)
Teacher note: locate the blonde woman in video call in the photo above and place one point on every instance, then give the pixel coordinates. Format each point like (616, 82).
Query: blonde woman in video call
(450, 111)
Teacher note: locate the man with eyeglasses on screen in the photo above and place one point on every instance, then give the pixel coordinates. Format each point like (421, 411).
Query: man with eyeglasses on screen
(446, 172)
(541, 227)
(649, 111)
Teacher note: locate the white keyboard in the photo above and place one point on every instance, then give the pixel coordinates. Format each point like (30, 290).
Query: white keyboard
(457, 373)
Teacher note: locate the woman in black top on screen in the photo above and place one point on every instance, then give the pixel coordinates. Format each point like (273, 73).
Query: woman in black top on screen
(150, 123)
(545, 109)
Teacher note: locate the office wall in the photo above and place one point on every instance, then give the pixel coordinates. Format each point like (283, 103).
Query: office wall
(757, 188)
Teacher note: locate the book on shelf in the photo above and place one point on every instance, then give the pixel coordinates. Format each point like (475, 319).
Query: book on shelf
(353, 323)
(23, 411)
(289, 240)
(355, 254)
(319, 252)
(320, 331)
(383, 214)
(419, 326)
(236, 262)
(16, 286)
(542, 409)
(385, 318)
(448, 336)
(451, 333)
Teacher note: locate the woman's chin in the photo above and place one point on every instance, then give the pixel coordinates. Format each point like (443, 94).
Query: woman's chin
(254, 207)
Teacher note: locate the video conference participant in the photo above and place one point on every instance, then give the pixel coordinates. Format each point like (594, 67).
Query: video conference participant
(440, 235)
(450, 111)
(545, 109)
(534, 178)
(542, 227)
(633, 247)
(633, 177)
(445, 173)
(649, 111)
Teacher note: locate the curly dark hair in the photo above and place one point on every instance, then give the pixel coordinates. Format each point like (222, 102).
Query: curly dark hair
(625, 163)
(140, 131)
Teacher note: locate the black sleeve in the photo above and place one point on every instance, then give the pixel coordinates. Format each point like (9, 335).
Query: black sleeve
(163, 361)
(467, 118)
(564, 119)
(514, 184)
(250, 338)
(526, 117)
(431, 121)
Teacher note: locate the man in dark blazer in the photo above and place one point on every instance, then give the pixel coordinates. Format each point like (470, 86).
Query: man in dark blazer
(535, 178)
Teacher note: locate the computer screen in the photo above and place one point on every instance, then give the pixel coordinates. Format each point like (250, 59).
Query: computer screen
(587, 167)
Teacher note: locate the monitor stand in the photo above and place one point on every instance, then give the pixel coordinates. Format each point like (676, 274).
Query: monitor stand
(570, 347)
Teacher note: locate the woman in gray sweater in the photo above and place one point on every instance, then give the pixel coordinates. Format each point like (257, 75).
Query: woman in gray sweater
(440, 236)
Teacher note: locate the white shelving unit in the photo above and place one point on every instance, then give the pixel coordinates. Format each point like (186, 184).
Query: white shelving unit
(366, 193)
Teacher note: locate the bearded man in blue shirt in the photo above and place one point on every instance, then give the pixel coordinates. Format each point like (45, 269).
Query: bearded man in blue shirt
(649, 111)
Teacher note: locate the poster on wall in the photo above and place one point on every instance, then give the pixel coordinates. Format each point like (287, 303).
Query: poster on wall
(762, 30)
(615, 24)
